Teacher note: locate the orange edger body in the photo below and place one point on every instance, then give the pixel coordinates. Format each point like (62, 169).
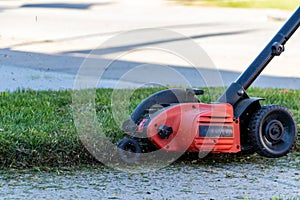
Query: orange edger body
(176, 120)
(194, 127)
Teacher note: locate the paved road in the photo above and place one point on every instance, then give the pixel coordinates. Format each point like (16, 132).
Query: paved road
(178, 181)
(43, 44)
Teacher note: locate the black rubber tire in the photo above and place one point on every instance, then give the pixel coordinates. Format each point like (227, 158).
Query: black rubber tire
(273, 131)
(129, 150)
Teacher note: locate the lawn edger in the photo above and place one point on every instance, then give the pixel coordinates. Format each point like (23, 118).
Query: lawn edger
(175, 120)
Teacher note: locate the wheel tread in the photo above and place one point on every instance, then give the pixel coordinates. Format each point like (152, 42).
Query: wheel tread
(254, 125)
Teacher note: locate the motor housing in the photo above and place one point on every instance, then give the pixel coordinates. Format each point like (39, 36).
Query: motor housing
(194, 127)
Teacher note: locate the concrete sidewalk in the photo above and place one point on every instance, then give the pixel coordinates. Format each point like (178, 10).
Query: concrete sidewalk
(43, 44)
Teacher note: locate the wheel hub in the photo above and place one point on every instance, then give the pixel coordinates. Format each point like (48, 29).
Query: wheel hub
(274, 130)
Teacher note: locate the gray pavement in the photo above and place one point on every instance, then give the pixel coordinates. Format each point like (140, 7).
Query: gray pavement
(177, 181)
(47, 42)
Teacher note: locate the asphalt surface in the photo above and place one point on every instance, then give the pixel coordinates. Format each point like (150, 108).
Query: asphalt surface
(177, 181)
(46, 43)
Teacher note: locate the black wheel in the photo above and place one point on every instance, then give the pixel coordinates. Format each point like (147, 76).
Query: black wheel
(129, 150)
(272, 131)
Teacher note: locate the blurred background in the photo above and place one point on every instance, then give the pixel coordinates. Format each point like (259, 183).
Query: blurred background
(43, 43)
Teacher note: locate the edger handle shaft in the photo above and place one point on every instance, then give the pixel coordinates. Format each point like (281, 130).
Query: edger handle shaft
(262, 60)
(236, 91)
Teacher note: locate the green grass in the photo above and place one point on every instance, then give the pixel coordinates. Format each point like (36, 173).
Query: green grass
(37, 128)
(276, 4)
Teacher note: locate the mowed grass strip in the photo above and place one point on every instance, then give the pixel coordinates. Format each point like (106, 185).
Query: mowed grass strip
(37, 127)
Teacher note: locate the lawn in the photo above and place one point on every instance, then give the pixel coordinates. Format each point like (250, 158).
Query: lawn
(37, 128)
(276, 4)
